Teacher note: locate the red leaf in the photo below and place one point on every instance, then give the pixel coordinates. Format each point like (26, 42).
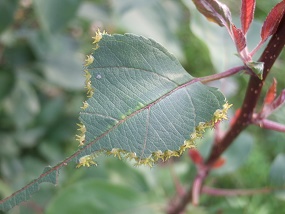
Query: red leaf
(280, 100)
(272, 21)
(271, 93)
(247, 12)
(270, 103)
(195, 156)
(239, 38)
(214, 11)
(220, 162)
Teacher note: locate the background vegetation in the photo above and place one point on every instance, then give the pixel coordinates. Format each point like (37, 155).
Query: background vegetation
(42, 49)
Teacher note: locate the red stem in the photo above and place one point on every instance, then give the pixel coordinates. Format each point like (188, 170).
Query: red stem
(197, 184)
(222, 75)
(268, 124)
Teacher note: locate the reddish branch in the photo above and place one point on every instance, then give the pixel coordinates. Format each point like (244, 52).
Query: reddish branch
(268, 124)
(269, 56)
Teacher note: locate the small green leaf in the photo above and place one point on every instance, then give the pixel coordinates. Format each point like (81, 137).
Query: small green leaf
(144, 105)
(257, 68)
(54, 15)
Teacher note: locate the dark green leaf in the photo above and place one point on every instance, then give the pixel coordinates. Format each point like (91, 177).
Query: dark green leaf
(144, 104)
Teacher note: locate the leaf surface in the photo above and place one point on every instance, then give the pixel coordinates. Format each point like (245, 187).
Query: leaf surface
(239, 38)
(54, 15)
(272, 21)
(277, 171)
(247, 13)
(144, 104)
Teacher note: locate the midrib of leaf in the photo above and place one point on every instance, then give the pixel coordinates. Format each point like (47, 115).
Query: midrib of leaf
(147, 107)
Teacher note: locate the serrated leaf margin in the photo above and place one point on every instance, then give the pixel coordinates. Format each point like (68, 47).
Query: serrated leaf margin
(88, 160)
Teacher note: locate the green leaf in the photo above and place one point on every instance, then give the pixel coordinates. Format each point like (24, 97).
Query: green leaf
(158, 24)
(100, 197)
(277, 171)
(54, 15)
(7, 9)
(59, 55)
(49, 175)
(7, 81)
(23, 104)
(144, 105)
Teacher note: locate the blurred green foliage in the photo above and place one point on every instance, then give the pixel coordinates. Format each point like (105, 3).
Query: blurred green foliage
(42, 49)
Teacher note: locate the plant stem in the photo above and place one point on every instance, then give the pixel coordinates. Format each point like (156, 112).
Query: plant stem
(197, 185)
(181, 203)
(268, 124)
(221, 75)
